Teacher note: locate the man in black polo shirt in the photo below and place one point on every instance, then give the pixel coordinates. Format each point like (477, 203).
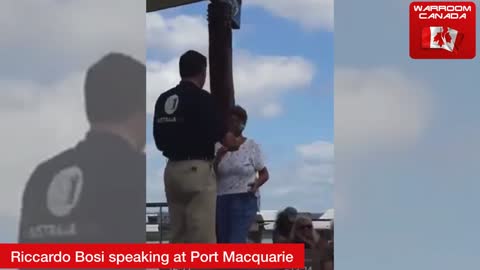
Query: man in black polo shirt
(186, 127)
(95, 191)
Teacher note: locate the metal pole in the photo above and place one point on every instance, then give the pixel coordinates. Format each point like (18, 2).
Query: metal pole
(220, 54)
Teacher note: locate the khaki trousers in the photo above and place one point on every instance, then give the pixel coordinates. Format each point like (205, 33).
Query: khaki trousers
(191, 188)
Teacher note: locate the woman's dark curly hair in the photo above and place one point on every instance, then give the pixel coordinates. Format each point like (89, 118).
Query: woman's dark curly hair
(239, 112)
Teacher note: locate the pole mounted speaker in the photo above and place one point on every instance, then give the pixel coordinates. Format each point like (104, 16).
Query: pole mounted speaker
(236, 11)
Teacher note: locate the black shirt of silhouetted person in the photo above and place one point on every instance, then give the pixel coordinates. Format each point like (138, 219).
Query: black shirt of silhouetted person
(187, 123)
(94, 192)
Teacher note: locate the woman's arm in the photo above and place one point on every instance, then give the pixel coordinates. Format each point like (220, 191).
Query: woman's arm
(263, 177)
(259, 165)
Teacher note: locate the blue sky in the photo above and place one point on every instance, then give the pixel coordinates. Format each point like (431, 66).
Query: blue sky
(306, 118)
(406, 193)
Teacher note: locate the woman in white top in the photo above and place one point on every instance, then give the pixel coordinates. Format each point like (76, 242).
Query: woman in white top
(240, 174)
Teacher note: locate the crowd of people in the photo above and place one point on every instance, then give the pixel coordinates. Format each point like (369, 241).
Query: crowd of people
(292, 227)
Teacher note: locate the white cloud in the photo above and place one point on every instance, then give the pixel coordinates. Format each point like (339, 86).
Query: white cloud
(271, 110)
(310, 173)
(311, 14)
(177, 34)
(63, 36)
(259, 80)
(317, 151)
(381, 107)
(316, 163)
(316, 173)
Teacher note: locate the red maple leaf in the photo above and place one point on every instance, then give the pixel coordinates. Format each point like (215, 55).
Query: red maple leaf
(438, 38)
(448, 38)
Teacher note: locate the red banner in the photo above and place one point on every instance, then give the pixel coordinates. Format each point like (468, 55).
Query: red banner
(200, 256)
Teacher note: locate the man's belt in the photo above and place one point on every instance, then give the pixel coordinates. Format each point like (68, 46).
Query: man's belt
(187, 158)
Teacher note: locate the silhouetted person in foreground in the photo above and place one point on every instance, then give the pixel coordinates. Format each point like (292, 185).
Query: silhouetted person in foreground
(187, 124)
(95, 191)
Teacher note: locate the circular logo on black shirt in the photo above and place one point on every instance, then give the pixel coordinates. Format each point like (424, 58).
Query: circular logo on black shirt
(171, 104)
(64, 191)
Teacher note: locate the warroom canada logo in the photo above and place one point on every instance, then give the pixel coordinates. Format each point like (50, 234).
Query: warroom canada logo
(442, 30)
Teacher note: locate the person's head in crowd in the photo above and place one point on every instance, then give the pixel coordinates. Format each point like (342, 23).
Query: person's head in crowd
(193, 68)
(238, 120)
(303, 232)
(284, 223)
(115, 98)
(291, 214)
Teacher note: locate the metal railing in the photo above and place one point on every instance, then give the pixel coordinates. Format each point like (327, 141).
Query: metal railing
(157, 218)
(160, 205)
